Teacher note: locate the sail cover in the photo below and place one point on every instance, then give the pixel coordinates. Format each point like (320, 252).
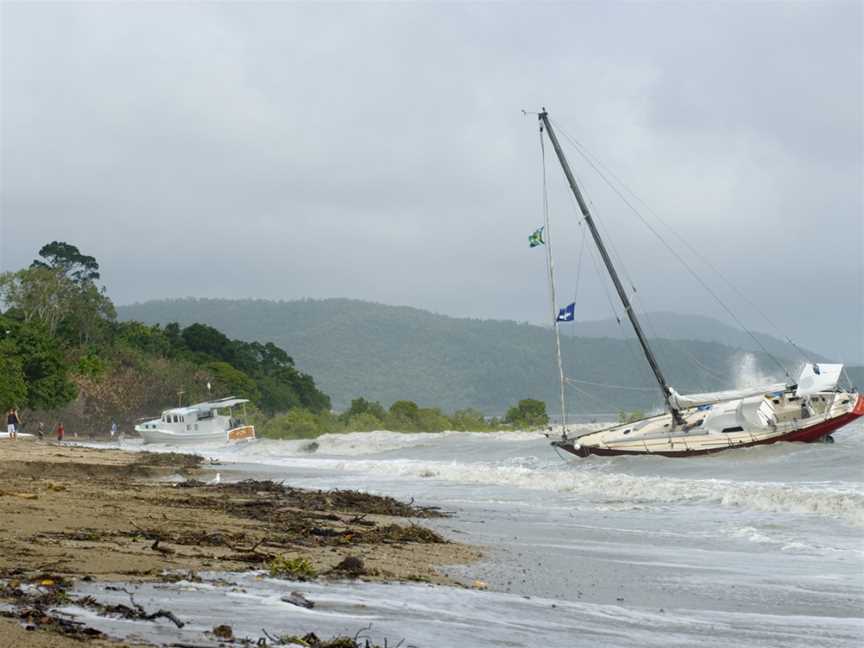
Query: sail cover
(818, 377)
(685, 401)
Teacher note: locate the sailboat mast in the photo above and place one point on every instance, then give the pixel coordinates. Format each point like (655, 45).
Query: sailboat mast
(607, 260)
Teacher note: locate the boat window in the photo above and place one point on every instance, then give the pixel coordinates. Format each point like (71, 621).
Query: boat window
(626, 432)
(188, 427)
(776, 401)
(737, 428)
(794, 398)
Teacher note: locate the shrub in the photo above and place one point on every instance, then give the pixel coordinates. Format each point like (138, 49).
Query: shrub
(296, 424)
(527, 414)
(364, 422)
(295, 568)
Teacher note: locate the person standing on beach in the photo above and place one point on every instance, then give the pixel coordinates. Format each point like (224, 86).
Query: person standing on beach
(60, 432)
(12, 423)
(113, 429)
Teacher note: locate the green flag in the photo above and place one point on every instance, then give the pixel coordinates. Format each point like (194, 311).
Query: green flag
(536, 238)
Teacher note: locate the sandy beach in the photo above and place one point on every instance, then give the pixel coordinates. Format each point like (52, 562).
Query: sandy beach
(72, 513)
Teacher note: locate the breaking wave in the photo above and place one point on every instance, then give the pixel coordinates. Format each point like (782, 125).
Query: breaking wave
(845, 502)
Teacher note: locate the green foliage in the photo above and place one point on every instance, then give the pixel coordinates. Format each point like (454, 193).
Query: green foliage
(292, 568)
(150, 339)
(230, 380)
(630, 417)
(471, 420)
(528, 413)
(296, 424)
(364, 422)
(361, 406)
(60, 294)
(13, 383)
(402, 417)
(68, 259)
(63, 339)
(91, 365)
(30, 352)
(263, 373)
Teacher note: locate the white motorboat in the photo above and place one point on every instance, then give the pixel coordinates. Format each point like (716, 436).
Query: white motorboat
(209, 422)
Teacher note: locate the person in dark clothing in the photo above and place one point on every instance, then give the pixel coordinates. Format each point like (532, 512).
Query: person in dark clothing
(13, 422)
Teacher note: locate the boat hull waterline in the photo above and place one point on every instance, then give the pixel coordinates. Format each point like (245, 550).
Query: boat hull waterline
(170, 437)
(680, 445)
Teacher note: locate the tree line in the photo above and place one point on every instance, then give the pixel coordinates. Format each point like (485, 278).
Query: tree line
(401, 416)
(64, 355)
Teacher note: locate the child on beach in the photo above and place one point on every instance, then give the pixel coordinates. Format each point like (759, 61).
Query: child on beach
(12, 423)
(60, 432)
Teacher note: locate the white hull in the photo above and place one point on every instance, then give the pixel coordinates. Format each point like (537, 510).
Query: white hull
(658, 435)
(170, 437)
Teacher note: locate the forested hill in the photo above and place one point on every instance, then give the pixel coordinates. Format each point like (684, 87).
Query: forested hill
(356, 348)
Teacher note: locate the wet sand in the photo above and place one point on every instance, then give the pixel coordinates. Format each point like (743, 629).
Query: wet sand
(107, 515)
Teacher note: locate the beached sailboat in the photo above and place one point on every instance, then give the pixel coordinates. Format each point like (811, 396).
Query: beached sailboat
(807, 410)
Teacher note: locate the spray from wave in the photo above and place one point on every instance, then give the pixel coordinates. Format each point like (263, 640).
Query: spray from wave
(748, 373)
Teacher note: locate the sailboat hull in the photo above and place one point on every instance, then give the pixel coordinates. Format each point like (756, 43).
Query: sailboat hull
(682, 445)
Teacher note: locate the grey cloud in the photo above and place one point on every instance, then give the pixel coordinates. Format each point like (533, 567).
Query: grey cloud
(378, 151)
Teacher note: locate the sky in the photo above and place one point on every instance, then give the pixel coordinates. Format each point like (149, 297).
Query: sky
(380, 152)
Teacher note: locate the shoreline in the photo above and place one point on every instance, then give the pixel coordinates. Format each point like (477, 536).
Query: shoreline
(74, 513)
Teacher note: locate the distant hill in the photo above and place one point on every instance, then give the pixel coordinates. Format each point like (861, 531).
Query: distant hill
(356, 348)
(856, 375)
(677, 326)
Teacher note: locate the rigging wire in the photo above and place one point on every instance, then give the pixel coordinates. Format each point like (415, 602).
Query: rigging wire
(550, 266)
(619, 261)
(637, 297)
(596, 384)
(586, 154)
(604, 279)
(671, 249)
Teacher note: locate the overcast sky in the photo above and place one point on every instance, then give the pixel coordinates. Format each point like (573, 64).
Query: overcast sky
(378, 151)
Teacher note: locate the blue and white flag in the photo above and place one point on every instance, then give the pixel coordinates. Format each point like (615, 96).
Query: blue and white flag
(567, 314)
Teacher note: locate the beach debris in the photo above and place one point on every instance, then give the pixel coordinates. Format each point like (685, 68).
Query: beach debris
(479, 585)
(163, 550)
(334, 500)
(224, 631)
(29, 496)
(311, 640)
(351, 565)
(180, 459)
(37, 618)
(298, 599)
(135, 613)
(291, 568)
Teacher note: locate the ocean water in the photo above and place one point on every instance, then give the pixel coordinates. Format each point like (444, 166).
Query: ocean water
(761, 546)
